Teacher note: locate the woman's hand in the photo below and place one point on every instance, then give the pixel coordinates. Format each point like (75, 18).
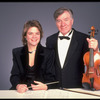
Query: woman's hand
(39, 86)
(21, 88)
(93, 43)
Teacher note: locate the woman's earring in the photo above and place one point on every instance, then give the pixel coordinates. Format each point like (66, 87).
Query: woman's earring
(25, 39)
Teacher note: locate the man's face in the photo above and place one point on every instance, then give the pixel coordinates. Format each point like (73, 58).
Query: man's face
(64, 22)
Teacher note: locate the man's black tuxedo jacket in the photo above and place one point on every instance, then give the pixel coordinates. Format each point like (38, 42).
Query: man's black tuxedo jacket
(44, 63)
(71, 74)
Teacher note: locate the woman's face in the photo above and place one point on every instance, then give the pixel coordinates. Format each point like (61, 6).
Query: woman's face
(33, 36)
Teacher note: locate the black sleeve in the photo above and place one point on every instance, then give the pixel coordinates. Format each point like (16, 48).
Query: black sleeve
(15, 73)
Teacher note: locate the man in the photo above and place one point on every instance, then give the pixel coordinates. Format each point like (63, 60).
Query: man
(69, 52)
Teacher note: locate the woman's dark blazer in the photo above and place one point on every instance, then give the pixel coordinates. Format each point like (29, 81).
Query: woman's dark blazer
(44, 64)
(71, 74)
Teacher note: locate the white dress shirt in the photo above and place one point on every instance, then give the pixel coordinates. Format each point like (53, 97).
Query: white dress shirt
(63, 46)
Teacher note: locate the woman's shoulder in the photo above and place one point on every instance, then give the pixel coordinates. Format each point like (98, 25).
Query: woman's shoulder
(18, 49)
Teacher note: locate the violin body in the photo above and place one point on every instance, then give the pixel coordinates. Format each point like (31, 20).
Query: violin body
(91, 77)
(92, 72)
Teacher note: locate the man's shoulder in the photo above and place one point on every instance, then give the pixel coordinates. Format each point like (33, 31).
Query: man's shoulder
(46, 50)
(53, 35)
(81, 33)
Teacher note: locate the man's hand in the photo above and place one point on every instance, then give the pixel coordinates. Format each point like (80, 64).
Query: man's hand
(93, 43)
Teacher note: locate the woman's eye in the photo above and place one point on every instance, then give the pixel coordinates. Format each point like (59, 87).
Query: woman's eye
(37, 33)
(30, 33)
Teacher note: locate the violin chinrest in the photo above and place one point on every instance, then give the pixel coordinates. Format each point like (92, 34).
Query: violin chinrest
(87, 86)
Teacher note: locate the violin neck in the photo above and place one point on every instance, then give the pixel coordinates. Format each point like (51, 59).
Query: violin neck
(91, 60)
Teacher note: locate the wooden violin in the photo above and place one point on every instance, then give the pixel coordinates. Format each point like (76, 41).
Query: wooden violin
(91, 78)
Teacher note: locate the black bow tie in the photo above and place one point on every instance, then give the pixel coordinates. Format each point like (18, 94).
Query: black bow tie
(64, 37)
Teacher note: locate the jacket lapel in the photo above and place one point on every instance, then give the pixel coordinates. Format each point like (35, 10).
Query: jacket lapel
(24, 58)
(57, 56)
(56, 50)
(72, 48)
(39, 57)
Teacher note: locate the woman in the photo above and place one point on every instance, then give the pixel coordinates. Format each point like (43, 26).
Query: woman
(33, 64)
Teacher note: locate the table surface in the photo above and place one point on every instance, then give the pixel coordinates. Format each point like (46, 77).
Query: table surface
(50, 94)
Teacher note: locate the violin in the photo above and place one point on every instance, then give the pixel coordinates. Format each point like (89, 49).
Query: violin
(91, 77)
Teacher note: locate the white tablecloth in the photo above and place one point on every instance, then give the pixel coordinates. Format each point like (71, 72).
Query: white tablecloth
(51, 93)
